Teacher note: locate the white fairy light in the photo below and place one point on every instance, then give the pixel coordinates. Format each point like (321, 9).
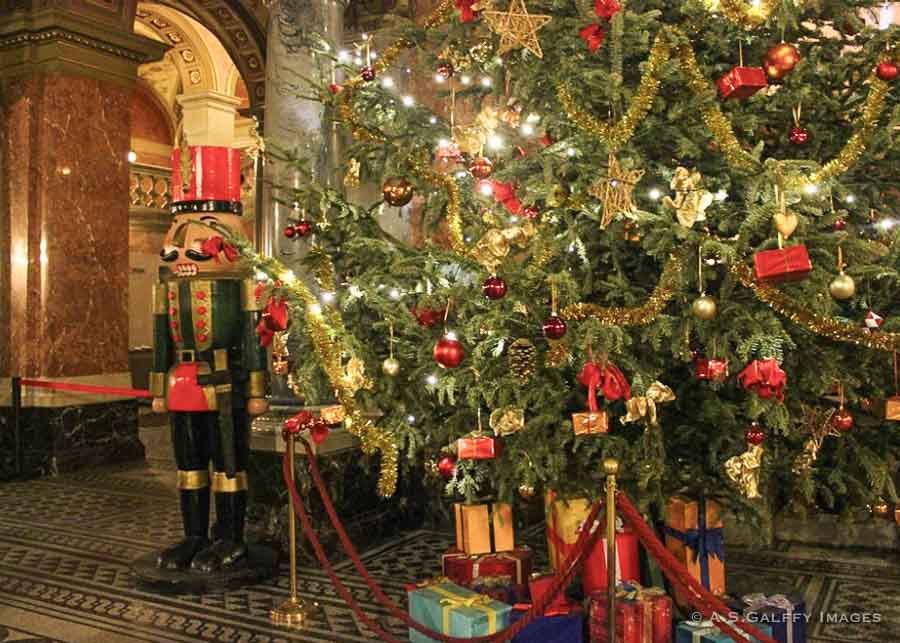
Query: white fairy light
(494, 142)
(655, 194)
(886, 224)
(132, 156)
(850, 198)
(327, 297)
(486, 188)
(431, 380)
(288, 277)
(394, 294)
(343, 56)
(462, 174)
(572, 151)
(438, 78)
(358, 60)
(387, 82)
(452, 336)
(486, 81)
(410, 419)
(465, 79)
(533, 118)
(721, 195)
(261, 276)
(811, 188)
(527, 129)
(315, 309)
(408, 101)
(432, 120)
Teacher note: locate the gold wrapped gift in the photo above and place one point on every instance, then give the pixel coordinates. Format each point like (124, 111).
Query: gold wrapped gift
(591, 422)
(484, 528)
(892, 408)
(333, 414)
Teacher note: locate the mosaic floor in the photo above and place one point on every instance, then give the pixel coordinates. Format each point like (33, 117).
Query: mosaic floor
(65, 544)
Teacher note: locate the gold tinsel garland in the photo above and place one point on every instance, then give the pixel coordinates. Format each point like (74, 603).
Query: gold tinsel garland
(640, 316)
(813, 322)
(746, 14)
(454, 218)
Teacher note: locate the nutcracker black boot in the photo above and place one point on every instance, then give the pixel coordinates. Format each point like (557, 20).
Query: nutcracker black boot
(195, 516)
(229, 550)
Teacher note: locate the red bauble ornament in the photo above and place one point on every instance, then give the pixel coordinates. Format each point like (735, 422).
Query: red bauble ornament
(886, 71)
(448, 352)
(494, 287)
(780, 60)
(427, 317)
(446, 466)
(839, 225)
(397, 191)
(335, 89)
(842, 420)
(445, 70)
(302, 228)
(367, 73)
(554, 327)
(290, 232)
(799, 135)
(481, 168)
(531, 212)
(755, 435)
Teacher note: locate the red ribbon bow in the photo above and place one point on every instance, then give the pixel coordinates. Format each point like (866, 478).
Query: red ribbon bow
(606, 9)
(765, 378)
(216, 245)
(466, 13)
(593, 35)
(274, 320)
(609, 378)
(306, 421)
(505, 194)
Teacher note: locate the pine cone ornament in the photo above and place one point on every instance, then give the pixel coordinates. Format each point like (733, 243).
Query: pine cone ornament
(522, 359)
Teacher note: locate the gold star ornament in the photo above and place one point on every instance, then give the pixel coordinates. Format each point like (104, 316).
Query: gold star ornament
(517, 28)
(616, 191)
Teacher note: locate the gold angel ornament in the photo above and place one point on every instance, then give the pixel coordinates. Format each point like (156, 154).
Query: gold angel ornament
(743, 470)
(496, 244)
(691, 200)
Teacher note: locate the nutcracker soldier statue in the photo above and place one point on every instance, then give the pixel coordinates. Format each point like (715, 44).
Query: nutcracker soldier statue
(209, 370)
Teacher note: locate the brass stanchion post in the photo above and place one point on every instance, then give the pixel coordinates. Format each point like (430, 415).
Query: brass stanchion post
(611, 468)
(292, 612)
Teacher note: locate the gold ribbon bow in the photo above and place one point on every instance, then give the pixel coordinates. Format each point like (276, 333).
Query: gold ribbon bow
(644, 406)
(635, 592)
(478, 602)
(507, 420)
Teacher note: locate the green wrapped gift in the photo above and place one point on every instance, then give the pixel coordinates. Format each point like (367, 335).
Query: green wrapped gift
(450, 609)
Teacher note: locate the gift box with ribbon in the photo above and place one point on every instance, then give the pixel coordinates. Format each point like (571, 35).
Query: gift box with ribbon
(484, 528)
(539, 585)
(782, 265)
(892, 404)
(643, 615)
(563, 627)
(707, 632)
(742, 82)
(464, 569)
(695, 536)
(450, 609)
(500, 588)
(478, 446)
(565, 520)
(710, 369)
(784, 613)
(605, 378)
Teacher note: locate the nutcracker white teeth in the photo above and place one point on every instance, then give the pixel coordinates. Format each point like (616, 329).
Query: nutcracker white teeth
(186, 270)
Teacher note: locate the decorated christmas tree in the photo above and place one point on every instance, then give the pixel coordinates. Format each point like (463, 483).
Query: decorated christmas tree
(651, 230)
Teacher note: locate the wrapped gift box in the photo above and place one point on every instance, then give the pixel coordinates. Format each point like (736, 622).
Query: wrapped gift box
(541, 584)
(463, 569)
(742, 82)
(695, 536)
(501, 588)
(892, 408)
(563, 628)
(714, 370)
(591, 422)
(784, 613)
(642, 615)
(478, 447)
(707, 632)
(565, 520)
(484, 528)
(450, 609)
(782, 265)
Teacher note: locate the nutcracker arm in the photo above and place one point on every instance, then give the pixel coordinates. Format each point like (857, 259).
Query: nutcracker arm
(163, 349)
(255, 356)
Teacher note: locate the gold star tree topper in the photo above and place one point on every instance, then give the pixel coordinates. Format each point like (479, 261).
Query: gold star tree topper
(517, 28)
(616, 191)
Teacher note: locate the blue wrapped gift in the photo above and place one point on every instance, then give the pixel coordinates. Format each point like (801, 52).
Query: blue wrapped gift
(707, 632)
(450, 609)
(567, 628)
(786, 613)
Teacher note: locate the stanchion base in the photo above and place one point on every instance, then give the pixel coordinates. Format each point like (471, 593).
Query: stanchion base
(293, 613)
(260, 565)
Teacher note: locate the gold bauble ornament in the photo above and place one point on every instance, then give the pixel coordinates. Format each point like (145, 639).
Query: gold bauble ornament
(705, 307)
(842, 286)
(397, 192)
(391, 367)
(881, 509)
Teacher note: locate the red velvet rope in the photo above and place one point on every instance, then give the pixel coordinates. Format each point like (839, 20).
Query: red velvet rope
(585, 539)
(698, 596)
(87, 388)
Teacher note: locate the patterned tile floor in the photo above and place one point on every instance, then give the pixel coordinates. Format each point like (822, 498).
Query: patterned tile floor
(65, 545)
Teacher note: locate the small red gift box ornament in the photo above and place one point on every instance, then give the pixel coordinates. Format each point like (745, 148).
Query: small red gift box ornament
(478, 446)
(711, 369)
(782, 265)
(742, 82)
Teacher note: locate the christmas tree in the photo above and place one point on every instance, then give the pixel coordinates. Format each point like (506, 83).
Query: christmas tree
(679, 211)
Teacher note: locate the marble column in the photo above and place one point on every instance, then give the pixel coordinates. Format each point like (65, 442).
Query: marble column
(66, 78)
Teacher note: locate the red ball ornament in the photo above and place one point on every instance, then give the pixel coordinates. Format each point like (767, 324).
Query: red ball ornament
(755, 435)
(481, 168)
(886, 71)
(780, 60)
(448, 352)
(290, 232)
(842, 420)
(531, 212)
(554, 327)
(494, 287)
(335, 89)
(839, 225)
(427, 317)
(799, 135)
(445, 70)
(446, 466)
(302, 228)
(367, 73)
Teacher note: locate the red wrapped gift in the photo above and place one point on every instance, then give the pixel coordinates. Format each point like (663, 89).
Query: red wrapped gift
(463, 569)
(478, 446)
(782, 265)
(643, 615)
(565, 520)
(539, 585)
(714, 370)
(215, 174)
(742, 82)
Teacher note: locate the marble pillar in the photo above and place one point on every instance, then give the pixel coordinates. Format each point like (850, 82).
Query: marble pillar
(64, 138)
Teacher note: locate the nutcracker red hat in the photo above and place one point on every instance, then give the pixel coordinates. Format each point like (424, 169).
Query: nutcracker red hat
(209, 182)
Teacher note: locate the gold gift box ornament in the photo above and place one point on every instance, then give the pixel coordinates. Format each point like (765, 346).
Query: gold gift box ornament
(892, 404)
